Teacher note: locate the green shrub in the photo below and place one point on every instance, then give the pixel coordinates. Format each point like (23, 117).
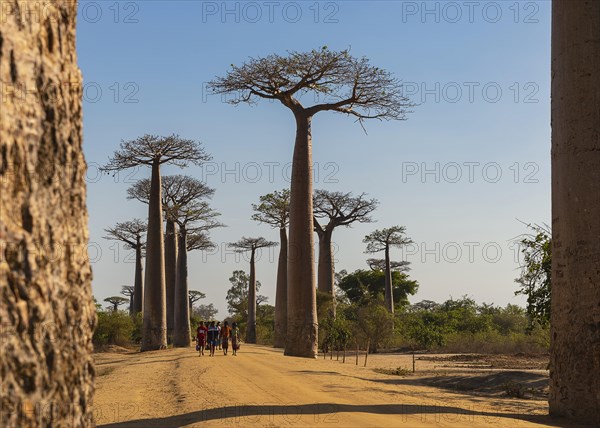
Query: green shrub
(113, 328)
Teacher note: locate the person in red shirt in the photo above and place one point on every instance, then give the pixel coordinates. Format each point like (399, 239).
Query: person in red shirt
(201, 338)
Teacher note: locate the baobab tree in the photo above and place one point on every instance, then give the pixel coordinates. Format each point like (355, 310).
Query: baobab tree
(154, 151)
(575, 295)
(274, 210)
(188, 218)
(383, 240)
(356, 89)
(128, 290)
(116, 301)
(242, 246)
(193, 297)
(132, 234)
(336, 209)
(180, 190)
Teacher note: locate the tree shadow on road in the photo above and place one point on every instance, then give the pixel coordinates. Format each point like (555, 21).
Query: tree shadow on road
(303, 414)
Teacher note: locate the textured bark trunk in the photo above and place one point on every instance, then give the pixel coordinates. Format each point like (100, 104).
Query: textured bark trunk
(389, 296)
(138, 287)
(131, 305)
(575, 319)
(302, 323)
(251, 328)
(170, 268)
(325, 267)
(281, 292)
(154, 330)
(46, 309)
(181, 326)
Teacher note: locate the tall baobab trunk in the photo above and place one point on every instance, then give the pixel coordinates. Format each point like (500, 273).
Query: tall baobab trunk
(154, 331)
(325, 268)
(389, 295)
(181, 326)
(46, 309)
(281, 292)
(251, 328)
(131, 305)
(575, 318)
(170, 269)
(302, 324)
(138, 284)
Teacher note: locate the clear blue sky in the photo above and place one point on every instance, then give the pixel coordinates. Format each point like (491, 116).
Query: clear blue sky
(472, 159)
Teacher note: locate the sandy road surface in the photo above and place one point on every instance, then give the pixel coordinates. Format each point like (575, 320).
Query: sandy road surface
(260, 387)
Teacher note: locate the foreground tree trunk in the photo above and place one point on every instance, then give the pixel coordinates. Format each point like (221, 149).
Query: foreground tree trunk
(154, 330)
(181, 326)
(575, 312)
(302, 323)
(281, 292)
(251, 328)
(138, 284)
(325, 268)
(389, 296)
(170, 272)
(46, 308)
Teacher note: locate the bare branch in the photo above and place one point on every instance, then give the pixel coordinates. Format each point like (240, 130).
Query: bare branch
(151, 149)
(342, 209)
(379, 264)
(129, 232)
(353, 85)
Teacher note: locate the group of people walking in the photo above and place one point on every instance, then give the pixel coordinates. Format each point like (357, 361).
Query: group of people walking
(212, 336)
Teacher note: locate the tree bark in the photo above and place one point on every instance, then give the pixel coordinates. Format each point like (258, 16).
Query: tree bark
(251, 327)
(181, 326)
(325, 267)
(281, 292)
(154, 330)
(575, 312)
(46, 309)
(389, 295)
(138, 287)
(170, 269)
(302, 326)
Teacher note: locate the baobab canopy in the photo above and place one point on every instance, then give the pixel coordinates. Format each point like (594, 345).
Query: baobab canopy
(346, 84)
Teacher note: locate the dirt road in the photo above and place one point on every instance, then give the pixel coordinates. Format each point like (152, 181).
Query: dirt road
(260, 387)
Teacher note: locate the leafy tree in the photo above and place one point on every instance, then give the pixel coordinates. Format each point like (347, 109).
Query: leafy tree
(205, 312)
(131, 233)
(116, 301)
(241, 246)
(355, 88)
(372, 323)
(336, 209)
(363, 286)
(536, 273)
(383, 240)
(274, 210)
(237, 295)
(265, 322)
(154, 151)
(113, 327)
